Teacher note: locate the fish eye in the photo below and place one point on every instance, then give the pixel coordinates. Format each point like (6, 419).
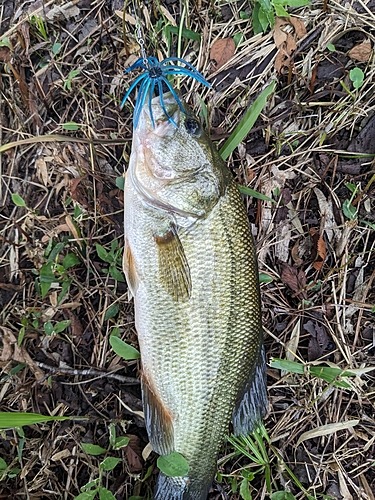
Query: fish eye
(193, 127)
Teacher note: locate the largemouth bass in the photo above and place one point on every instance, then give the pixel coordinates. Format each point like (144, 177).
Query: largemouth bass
(191, 267)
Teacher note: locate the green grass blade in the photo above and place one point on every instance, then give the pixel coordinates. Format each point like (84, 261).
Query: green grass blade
(10, 420)
(290, 366)
(254, 194)
(186, 33)
(247, 122)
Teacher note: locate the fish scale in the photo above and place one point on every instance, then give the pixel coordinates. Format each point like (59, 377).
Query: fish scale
(191, 267)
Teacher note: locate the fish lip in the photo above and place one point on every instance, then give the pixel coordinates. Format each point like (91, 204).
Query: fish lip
(163, 126)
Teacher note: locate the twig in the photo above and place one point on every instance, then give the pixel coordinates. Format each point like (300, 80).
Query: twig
(87, 372)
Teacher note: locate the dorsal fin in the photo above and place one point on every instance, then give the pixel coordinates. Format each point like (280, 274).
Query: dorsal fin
(174, 269)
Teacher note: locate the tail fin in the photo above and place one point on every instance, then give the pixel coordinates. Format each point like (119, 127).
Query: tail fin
(181, 488)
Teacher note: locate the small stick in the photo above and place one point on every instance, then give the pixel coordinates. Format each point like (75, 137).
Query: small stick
(87, 371)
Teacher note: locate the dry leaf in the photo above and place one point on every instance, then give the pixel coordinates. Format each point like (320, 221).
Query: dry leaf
(295, 279)
(59, 13)
(291, 346)
(361, 52)
(5, 54)
(168, 15)
(285, 52)
(285, 42)
(73, 230)
(279, 36)
(147, 450)
(322, 252)
(128, 18)
(56, 231)
(42, 171)
(366, 487)
(325, 430)
(250, 174)
(319, 340)
(222, 51)
(298, 26)
(18, 353)
(295, 255)
(60, 455)
(75, 324)
(326, 211)
(319, 249)
(134, 453)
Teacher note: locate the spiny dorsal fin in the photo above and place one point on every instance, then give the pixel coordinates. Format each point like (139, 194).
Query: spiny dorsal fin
(158, 419)
(173, 265)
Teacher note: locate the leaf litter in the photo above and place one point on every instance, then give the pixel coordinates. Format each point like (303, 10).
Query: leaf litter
(65, 64)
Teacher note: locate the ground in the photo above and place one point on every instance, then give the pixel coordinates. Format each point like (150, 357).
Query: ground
(64, 145)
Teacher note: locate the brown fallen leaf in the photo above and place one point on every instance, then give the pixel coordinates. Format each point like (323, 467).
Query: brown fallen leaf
(75, 323)
(319, 249)
(55, 232)
(77, 191)
(295, 279)
(42, 171)
(319, 339)
(298, 26)
(285, 53)
(295, 255)
(285, 41)
(134, 453)
(279, 36)
(361, 52)
(222, 51)
(18, 353)
(5, 54)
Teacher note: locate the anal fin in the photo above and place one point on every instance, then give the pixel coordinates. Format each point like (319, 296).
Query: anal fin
(173, 265)
(158, 420)
(252, 406)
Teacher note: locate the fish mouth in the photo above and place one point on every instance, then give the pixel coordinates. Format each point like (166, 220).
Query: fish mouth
(163, 115)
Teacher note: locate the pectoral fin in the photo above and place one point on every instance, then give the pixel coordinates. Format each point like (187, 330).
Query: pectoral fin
(158, 420)
(252, 404)
(173, 265)
(130, 270)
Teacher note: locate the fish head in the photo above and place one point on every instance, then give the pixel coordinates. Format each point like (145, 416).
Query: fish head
(174, 164)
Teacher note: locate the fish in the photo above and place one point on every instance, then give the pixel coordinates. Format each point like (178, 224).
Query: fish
(191, 268)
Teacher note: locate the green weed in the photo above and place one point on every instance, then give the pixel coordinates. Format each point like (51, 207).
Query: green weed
(113, 258)
(41, 29)
(357, 77)
(93, 488)
(173, 465)
(68, 82)
(7, 471)
(121, 348)
(349, 211)
(330, 374)
(54, 274)
(264, 458)
(59, 327)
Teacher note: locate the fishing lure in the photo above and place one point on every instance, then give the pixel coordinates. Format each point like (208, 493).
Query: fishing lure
(156, 74)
